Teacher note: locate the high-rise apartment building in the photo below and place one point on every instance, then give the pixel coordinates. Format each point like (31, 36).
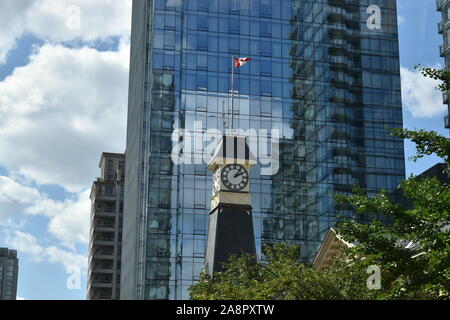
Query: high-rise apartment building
(444, 28)
(324, 73)
(106, 229)
(9, 272)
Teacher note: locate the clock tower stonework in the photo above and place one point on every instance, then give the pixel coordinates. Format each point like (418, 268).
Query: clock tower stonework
(230, 220)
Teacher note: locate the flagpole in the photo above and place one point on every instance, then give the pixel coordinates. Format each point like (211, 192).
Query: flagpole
(232, 94)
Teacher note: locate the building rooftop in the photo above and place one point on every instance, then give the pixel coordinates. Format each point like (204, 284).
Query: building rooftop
(110, 155)
(8, 253)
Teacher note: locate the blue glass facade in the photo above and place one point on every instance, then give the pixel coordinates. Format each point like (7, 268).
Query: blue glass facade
(444, 28)
(320, 75)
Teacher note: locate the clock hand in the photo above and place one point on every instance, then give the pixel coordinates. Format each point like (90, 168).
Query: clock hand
(240, 173)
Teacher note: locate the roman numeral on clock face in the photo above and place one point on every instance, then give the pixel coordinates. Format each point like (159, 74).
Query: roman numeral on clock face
(235, 177)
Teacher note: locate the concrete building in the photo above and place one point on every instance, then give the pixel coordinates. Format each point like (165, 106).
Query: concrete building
(444, 28)
(106, 229)
(9, 272)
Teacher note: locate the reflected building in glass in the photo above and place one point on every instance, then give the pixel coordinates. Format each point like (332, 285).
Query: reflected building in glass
(324, 73)
(444, 28)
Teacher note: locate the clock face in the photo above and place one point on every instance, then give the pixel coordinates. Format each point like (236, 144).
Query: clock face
(235, 177)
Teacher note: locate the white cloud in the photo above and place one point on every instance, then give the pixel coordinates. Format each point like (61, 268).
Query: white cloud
(420, 95)
(12, 23)
(13, 223)
(58, 113)
(14, 198)
(26, 243)
(11, 191)
(57, 20)
(68, 220)
(66, 258)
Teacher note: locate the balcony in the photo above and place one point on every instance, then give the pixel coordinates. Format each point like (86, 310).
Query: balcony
(103, 191)
(101, 284)
(103, 242)
(108, 196)
(101, 256)
(447, 122)
(441, 51)
(102, 270)
(439, 5)
(100, 297)
(104, 228)
(104, 214)
(97, 235)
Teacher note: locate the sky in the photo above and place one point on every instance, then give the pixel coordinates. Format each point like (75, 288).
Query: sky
(63, 96)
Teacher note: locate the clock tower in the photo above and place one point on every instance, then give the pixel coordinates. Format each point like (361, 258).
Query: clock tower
(230, 220)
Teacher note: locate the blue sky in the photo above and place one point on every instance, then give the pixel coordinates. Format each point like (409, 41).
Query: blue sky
(63, 96)
(419, 44)
(59, 80)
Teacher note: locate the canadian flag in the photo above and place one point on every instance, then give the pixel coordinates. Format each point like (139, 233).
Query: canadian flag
(240, 62)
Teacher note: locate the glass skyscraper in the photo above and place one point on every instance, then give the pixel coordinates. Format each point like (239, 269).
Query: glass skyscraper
(444, 28)
(325, 73)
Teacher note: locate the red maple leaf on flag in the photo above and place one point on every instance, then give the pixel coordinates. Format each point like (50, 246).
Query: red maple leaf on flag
(240, 62)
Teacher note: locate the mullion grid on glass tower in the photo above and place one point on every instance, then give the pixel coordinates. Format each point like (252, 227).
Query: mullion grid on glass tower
(318, 74)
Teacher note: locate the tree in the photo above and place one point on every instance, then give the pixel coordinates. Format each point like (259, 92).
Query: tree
(282, 277)
(423, 272)
(443, 75)
(420, 271)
